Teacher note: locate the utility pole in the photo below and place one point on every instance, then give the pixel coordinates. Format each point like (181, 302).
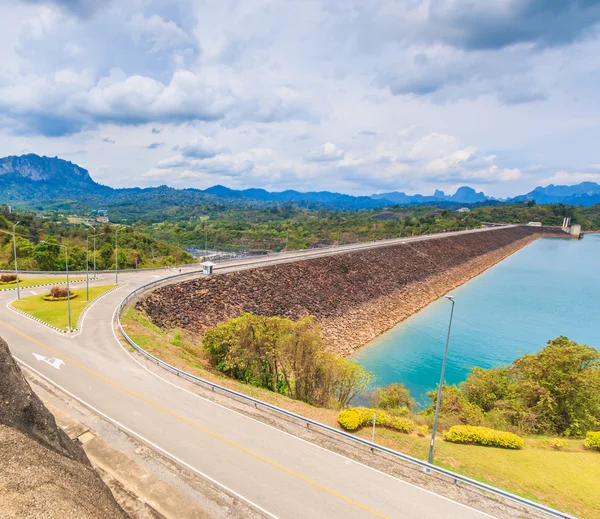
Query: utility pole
(117, 255)
(15, 253)
(439, 394)
(87, 262)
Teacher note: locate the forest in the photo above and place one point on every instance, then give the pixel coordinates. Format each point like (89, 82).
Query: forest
(135, 249)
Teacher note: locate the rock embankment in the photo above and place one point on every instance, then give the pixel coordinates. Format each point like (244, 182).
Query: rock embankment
(354, 296)
(43, 474)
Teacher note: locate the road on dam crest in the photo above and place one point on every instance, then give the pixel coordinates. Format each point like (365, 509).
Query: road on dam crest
(276, 473)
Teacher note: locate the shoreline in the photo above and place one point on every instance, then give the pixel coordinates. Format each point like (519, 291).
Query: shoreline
(387, 312)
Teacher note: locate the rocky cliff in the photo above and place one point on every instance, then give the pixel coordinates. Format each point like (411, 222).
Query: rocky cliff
(355, 296)
(43, 474)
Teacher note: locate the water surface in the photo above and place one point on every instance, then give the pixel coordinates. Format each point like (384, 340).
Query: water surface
(549, 288)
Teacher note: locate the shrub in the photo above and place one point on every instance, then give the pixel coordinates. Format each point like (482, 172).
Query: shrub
(483, 436)
(349, 419)
(8, 278)
(405, 425)
(176, 340)
(558, 443)
(422, 430)
(392, 396)
(59, 294)
(354, 418)
(592, 440)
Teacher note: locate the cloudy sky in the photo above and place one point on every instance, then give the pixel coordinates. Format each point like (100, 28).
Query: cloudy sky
(353, 96)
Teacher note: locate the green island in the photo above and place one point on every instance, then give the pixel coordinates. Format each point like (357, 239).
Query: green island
(31, 282)
(554, 462)
(54, 313)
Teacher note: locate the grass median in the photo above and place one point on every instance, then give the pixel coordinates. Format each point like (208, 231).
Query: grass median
(55, 312)
(30, 282)
(566, 480)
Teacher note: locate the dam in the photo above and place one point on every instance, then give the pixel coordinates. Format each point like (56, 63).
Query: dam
(355, 296)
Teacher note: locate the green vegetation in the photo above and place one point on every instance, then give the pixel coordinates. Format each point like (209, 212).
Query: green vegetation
(566, 479)
(474, 435)
(592, 440)
(55, 312)
(354, 418)
(284, 356)
(255, 228)
(30, 282)
(134, 246)
(555, 391)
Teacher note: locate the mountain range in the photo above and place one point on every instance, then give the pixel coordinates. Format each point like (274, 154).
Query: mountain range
(38, 180)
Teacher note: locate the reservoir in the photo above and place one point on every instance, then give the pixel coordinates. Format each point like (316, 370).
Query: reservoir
(549, 288)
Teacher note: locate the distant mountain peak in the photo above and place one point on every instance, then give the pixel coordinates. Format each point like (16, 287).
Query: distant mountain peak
(43, 168)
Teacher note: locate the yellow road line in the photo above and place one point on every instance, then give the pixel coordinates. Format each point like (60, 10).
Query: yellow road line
(197, 426)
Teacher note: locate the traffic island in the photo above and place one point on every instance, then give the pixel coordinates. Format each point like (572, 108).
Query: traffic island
(37, 282)
(54, 313)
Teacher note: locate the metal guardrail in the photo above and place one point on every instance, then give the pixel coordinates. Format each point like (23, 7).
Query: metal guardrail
(317, 425)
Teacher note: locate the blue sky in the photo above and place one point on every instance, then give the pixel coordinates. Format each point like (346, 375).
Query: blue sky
(351, 96)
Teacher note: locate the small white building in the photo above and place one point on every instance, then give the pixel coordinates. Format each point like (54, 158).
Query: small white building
(464, 210)
(207, 267)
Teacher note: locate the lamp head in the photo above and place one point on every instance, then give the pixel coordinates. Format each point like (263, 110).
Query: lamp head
(451, 298)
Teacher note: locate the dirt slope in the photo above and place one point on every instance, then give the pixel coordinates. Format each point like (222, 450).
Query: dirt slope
(43, 474)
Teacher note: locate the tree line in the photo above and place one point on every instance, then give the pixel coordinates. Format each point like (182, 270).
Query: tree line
(135, 249)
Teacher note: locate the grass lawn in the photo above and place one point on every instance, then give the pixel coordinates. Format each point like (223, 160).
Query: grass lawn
(55, 312)
(567, 480)
(28, 282)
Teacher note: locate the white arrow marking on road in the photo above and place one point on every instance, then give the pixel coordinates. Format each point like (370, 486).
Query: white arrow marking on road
(56, 363)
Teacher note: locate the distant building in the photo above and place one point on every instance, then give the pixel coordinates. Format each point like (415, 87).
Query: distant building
(102, 219)
(207, 267)
(464, 210)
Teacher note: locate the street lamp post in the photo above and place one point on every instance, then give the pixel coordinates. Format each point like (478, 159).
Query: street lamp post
(87, 263)
(439, 394)
(15, 253)
(117, 255)
(67, 270)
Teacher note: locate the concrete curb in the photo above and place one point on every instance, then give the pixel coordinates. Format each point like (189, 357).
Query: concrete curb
(79, 321)
(47, 285)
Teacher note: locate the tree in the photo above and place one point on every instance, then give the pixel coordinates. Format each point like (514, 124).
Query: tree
(107, 255)
(392, 397)
(561, 386)
(284, 356)
(48, 256)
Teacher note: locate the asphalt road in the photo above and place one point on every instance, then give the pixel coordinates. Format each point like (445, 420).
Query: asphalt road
(277, 473)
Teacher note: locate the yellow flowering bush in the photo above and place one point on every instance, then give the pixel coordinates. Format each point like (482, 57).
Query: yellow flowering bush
(483, 436)
(356, 417)
(592, 440)
(349, 419)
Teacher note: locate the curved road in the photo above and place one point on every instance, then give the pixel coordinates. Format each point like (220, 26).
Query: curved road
(278, 474)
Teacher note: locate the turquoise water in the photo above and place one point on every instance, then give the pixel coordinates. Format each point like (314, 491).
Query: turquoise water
(549, 288)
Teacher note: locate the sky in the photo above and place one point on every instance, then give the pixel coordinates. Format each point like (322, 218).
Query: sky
(352, 96)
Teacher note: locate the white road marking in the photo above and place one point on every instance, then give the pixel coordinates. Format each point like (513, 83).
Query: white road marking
(34, 293)
(56, 363)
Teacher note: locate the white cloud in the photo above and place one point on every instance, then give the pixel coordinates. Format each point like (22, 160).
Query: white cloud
(569, 178)
(156, 34)
(325, 153)
(405, 95)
